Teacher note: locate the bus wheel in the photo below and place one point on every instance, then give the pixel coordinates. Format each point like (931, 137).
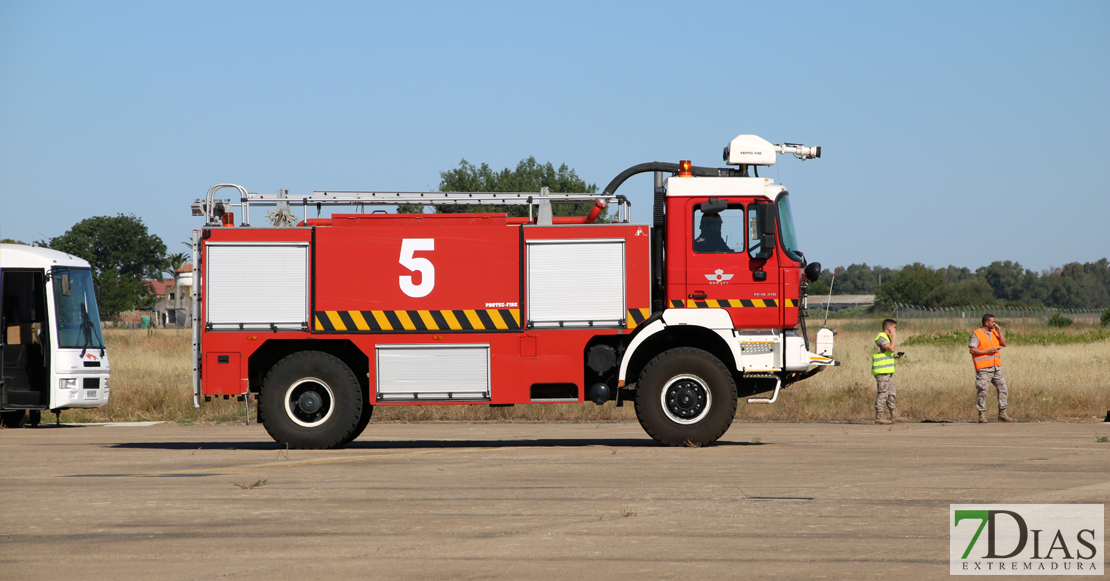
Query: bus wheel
(13, 419)
(685, 397)
(311, 400)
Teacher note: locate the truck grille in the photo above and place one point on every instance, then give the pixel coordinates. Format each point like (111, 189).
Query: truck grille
(91, 383)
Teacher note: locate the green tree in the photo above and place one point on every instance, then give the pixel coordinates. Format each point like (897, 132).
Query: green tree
(1006, 279)
(529, 176)
(818, 288)
(12, 241)
(857, 279)
(970, 291)
(1064, 287)
(123, 255)
(176, 260)
(1096, 283)
(915, 284)
(955, 274)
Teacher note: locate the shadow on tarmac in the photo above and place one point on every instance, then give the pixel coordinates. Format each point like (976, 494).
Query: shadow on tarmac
(421, 444)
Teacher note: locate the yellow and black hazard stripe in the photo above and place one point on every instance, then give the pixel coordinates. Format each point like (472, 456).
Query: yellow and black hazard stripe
(445, 320)
(636, 317)
(733, 303)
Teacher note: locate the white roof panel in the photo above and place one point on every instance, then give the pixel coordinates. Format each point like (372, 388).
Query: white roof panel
(23, 256)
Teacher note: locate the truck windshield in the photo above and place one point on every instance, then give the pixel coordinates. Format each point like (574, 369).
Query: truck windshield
(78, 320)
(786, 223)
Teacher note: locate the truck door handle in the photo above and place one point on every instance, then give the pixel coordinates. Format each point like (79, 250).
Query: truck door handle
(697, 296)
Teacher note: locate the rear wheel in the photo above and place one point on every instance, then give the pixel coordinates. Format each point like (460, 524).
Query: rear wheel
(685, 397)
(13, 419)
(311, 400)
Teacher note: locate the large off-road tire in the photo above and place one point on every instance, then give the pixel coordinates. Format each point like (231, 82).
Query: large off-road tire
(367, 411)
(685, 397)
(311, 400)
(13, 419)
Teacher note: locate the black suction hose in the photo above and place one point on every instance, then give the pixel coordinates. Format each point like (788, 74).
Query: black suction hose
(672, 168)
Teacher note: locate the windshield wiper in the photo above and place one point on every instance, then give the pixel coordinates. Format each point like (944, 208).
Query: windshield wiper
(86, 330)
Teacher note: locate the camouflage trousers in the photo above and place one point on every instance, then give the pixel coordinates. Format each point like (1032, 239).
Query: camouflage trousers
(886, 395)
(983, 379)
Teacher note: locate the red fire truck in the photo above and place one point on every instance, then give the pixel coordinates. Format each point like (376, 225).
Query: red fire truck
(322, 319)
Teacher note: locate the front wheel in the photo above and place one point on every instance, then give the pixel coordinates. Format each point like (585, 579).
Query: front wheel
(311, 400)
(685, 397)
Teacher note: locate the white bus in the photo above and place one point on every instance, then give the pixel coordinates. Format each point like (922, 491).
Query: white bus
(52, 345)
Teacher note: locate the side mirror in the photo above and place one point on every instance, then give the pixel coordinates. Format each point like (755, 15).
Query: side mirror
(813, 271)
(767, 218)
(714, 206)
(96, 289)
(67, 290)
(766, 248)
(763, 230)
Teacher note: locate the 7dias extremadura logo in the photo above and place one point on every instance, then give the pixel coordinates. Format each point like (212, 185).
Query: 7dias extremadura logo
(1026, 539)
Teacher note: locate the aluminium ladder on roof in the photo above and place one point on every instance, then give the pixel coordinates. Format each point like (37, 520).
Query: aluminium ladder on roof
(373, 198)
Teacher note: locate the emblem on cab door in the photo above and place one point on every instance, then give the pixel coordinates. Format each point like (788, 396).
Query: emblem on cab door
(719, 275)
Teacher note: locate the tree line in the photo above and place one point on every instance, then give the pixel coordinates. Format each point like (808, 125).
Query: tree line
(125, 257)
(528, 176)
(1072, 286)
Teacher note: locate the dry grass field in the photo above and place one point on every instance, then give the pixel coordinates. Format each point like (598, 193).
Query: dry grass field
(151, 381)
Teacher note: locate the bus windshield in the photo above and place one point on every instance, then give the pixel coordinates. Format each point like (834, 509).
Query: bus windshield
(78, 320)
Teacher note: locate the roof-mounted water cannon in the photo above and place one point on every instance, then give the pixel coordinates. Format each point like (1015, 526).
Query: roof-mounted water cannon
(754, 150)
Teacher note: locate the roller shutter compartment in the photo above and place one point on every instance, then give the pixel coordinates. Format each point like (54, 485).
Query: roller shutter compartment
(256, 286)
(576, 283)
(433, 373)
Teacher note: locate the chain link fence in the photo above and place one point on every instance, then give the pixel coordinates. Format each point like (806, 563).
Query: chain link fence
(970, 317)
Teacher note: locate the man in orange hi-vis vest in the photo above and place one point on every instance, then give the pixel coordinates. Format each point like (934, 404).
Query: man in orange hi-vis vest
(986, 347)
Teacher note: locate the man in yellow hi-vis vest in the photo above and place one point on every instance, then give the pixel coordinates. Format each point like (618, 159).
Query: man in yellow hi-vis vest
(986, 347)
(882, 367)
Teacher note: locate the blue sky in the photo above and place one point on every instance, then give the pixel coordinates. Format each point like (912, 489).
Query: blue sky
(952, 132)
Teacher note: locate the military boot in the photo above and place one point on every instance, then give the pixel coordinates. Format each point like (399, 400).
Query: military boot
(894, 417)
(1002, 417)
(982, 417)
(880, 420)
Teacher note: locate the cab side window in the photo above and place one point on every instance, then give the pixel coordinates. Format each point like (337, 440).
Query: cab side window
(753, 231)
(719, 232)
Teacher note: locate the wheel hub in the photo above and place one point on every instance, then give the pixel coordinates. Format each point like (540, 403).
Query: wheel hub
(686, 398)
(310, 402)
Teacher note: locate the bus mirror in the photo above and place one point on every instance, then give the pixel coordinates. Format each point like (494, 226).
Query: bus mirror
(96, 289)
(66, 289)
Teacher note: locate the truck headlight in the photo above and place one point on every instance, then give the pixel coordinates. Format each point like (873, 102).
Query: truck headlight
(69, 383)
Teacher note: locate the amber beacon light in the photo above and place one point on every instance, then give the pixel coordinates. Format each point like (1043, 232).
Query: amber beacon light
(684, 169)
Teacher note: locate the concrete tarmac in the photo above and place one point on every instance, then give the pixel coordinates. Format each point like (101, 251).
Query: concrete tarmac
(520, 500)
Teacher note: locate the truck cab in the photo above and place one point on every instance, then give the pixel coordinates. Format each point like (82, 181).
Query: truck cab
(52, 344)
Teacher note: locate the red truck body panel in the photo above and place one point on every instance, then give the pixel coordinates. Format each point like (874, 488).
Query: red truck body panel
(475, 292)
